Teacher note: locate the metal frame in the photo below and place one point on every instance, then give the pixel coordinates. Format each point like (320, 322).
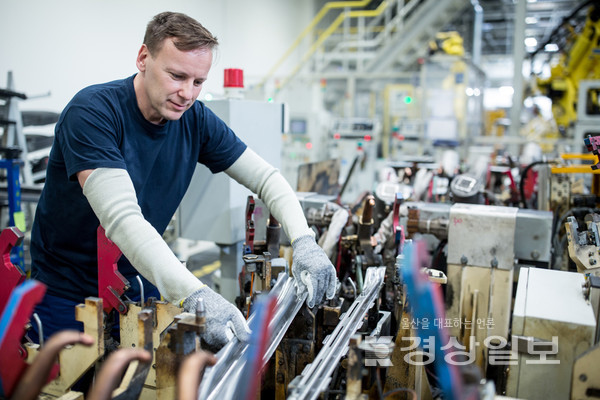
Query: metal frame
(316, 376)
(217, 380)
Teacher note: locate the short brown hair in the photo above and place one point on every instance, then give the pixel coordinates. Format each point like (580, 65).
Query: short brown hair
(187, 33)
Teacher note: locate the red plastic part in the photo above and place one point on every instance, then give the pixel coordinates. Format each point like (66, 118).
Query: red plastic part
(111, 284)
(10, 275)
(12, 354)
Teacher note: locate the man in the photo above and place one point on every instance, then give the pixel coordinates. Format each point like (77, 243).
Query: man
(123, 157)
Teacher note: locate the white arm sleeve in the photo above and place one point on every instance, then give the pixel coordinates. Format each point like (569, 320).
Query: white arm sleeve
(111, 195)
(271, 187)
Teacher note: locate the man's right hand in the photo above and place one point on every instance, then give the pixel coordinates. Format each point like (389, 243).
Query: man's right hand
(222, 318)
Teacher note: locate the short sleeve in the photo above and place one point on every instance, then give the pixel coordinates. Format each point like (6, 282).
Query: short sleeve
(220, 145)
(89, 138)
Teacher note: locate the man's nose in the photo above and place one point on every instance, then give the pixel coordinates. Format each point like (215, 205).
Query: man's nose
(186, 91)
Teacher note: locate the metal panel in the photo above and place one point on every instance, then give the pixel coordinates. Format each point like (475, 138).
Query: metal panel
(533, 235)
(549, 303)
(556, 296)
(482, 236)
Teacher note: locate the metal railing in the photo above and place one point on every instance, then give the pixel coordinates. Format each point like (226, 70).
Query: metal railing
(311, 26)
(356, 40)
(328, 32)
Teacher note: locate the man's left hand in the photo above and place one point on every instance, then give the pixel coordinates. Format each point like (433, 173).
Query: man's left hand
(313, 271)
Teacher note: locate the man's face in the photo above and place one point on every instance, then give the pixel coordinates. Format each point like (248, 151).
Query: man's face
(170, 81)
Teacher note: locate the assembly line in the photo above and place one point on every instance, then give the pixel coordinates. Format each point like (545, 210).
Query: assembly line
(365, 225)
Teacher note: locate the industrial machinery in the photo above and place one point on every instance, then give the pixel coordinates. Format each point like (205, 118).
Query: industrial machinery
(548, 331)
(354, 142)
(566, 85)
(480, 267)
(435, 300)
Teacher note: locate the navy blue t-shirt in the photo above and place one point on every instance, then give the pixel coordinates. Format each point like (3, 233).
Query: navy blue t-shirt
(102, 127)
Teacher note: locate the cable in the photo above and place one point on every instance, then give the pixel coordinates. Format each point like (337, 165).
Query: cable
(40, 327)
(355, 291)
(142, 300)
(524, 177)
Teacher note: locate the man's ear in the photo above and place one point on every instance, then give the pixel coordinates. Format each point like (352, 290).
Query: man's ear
(142, 56)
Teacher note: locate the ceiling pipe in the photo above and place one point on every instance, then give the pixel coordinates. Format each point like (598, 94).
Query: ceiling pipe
(518, 58)
(477, 32)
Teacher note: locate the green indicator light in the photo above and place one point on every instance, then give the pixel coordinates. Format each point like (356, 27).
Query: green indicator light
(408, 99)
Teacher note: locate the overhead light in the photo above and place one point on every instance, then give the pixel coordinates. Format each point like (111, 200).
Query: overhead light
(531, 1)
(530, 42)
(551, 47)
(531, 20)
(506, 90)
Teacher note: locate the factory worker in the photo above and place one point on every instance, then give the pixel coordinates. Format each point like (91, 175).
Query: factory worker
(123, 156)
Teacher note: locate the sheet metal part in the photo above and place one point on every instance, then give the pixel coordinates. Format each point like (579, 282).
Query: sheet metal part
(219, 380)
(533, 235)
(316, 376)
(467, 240)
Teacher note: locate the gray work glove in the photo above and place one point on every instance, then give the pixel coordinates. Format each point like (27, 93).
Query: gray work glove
(313, 271)
(223, 319)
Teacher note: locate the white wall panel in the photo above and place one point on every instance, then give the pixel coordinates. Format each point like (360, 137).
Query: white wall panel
(62, 46)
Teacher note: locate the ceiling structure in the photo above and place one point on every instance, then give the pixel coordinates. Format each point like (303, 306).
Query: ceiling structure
(545, 22)
(544, 19)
